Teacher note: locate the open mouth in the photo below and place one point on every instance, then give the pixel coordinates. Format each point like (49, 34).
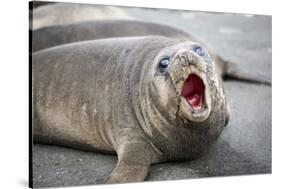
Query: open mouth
(193, 91)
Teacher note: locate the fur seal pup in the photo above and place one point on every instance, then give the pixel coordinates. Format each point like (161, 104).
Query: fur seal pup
(62, 34)
(149, 99)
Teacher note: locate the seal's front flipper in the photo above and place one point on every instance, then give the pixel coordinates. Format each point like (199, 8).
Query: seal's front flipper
(134, 160)
(232, 71)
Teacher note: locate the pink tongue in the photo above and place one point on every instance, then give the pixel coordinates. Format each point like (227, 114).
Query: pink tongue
(193, 91)
(195, 100)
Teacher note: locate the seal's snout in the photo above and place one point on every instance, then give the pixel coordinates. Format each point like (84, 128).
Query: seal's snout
(193, 91)
(188, 74)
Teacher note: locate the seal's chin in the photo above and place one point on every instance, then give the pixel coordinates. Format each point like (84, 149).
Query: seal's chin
(193, 91)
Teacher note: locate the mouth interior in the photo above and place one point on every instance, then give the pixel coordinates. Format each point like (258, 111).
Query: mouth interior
(193, 91)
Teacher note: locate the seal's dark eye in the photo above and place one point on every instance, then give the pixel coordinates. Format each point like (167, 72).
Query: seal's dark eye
(199, 50)
(164, 63)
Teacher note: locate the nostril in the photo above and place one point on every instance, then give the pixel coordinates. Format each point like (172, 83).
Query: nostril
(183, 60)
(187, 57)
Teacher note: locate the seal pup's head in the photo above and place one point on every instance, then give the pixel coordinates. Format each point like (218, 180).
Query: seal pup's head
(182, 103)
(185, 101)
(185, 78)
